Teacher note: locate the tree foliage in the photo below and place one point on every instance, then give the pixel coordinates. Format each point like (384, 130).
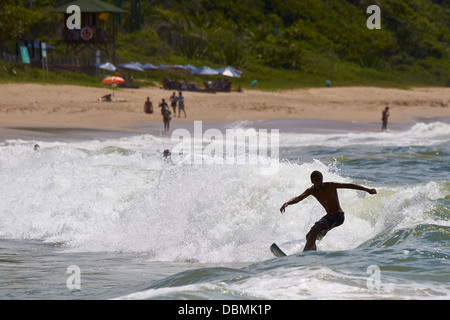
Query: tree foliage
(286, 34)
(16, 20)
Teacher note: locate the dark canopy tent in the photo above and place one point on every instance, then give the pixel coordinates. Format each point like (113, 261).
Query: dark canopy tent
(91, 6)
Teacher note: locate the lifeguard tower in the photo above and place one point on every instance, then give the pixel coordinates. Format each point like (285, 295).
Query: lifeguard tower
(99, 22)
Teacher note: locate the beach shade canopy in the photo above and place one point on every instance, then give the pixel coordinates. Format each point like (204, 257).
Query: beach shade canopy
(179, 66)
(229, 72)
(131, 66)
(106, 66)
(190, 67)
(113, 79)
(205, 71)
(149, 66)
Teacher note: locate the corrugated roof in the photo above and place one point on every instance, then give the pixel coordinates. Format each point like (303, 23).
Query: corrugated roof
(91, 6)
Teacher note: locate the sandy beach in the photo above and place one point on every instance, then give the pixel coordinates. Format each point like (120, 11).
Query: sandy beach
(68, 106)
(99, 196)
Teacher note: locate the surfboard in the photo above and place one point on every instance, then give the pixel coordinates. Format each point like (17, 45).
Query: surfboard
(276, 250)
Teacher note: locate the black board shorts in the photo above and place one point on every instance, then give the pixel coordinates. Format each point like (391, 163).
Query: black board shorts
(328, 222)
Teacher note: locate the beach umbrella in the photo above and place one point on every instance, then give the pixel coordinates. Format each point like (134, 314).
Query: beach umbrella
(205, 71)
(113, 79)
(149, 66)
(107, 66)
(179, 66)
(229, 72)
(131, 66)
(190, 67)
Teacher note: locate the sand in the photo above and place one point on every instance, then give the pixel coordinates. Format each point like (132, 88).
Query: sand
(42, 105)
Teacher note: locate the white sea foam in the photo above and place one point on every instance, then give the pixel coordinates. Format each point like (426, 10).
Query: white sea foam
(421, 134)
(121, 195)
(296, 283)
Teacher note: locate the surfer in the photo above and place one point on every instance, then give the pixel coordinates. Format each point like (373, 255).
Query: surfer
(326, 194)
(384, 118)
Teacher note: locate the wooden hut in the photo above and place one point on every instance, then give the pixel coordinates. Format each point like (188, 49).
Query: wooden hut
(99, 22)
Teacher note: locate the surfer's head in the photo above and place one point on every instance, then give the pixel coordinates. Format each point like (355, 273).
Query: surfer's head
(316, 176)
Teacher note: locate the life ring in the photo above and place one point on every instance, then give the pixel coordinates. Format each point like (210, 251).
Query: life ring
(86, 33)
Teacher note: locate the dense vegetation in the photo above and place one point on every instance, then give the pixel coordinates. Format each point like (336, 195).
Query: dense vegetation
(282, 43)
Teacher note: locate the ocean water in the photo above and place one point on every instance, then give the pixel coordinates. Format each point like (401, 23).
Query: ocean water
(114, 219)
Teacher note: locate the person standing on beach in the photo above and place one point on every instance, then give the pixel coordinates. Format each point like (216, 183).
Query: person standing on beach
(181, 104)
(326, 194)
(148, 106)
(384, 118)
(173, 103)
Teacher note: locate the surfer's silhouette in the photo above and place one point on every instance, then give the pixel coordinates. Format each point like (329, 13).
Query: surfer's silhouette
(326, 194)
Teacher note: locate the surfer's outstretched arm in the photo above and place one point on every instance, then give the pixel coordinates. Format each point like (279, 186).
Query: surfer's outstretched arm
(296, 199)
(354, 186)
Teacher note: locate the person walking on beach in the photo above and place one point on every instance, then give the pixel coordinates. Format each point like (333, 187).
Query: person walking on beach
(384, 118)
(181, 104)
(326, 194)
(163, 105)
(166, 113)
(148, 106)
(173, 103)
(166, 119)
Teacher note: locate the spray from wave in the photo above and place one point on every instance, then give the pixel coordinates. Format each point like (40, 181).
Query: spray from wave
(121, 195)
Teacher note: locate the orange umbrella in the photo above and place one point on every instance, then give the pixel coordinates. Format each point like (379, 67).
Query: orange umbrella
(113, 79)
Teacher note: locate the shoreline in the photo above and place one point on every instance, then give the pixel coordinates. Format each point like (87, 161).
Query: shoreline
(47, 111)
(73, 134)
